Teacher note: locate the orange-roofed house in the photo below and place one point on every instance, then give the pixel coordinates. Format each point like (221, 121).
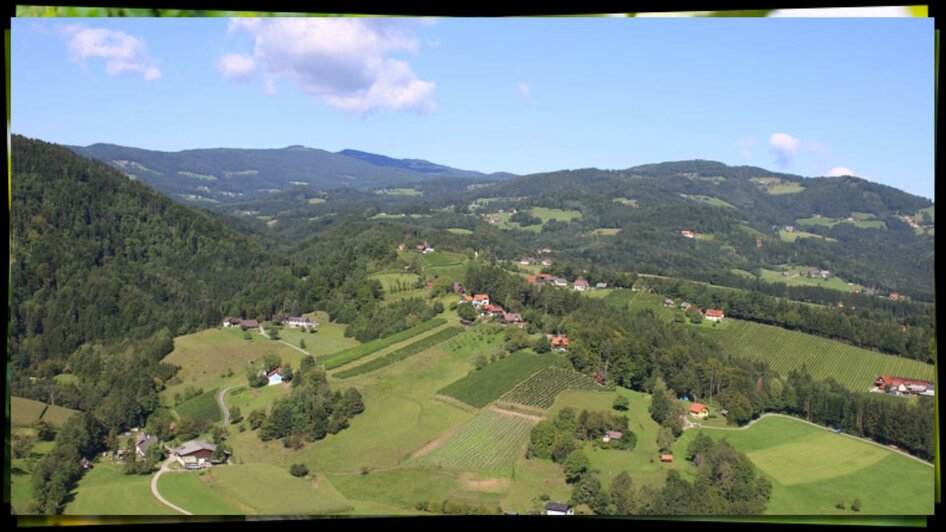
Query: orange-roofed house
(687, 233)
(699, 410)
(480, 299)
(466, 299)
(491, 310)
(559, 342)
(666, 458)
(714, 314)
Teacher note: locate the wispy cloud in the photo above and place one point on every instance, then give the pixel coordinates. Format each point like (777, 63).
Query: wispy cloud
(839, 171)
(239, 67)
(745, 147)
(122, 52)
(342, 62)
(525, 91)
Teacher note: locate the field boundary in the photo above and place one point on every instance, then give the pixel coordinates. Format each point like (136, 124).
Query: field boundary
(456, 402)
(530, 417)
(347, 356)
(865, 440)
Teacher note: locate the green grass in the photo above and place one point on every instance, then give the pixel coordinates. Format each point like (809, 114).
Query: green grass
(488, 384)
(202, 407)
(459, 231)
(490, 442)
(24, 412)
(66, 378)
(400, 354)
(794, 279)
(930, 211)
(626, 201)
(786, 188)
(105, 490)
(786, 236)
(785, 350)
(541, 389)
(710, 200)
(400, 192)
(415, 483)
(57, 415)
(316, 201)
(21, 482)
(249, 399)
(203, 177)
(535, 478)
(455, 272)
(362, 350)
(606, 231)
(812, 468)
(328, 338)
(561, 215)
(831, 222)
(388, 280)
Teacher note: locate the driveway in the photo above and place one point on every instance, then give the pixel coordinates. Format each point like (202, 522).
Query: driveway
(154, 488)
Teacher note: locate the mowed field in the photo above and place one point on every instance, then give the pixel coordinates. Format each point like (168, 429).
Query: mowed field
(106, 490)
(785, 350)
(833, 283)
(24, 412)
(811, 469)
(390, 280)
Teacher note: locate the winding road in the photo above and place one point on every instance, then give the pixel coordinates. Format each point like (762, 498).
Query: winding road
(223, 407)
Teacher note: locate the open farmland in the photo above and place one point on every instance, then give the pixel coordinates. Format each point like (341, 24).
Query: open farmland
(785, 350)
(24, 412)
(400, 354)
(391, 281)
(540, 390)
(106, 490)
(202, 407)
(561, 215)
(488, 384)
(350, 355)
(812, 468)
(491, 441)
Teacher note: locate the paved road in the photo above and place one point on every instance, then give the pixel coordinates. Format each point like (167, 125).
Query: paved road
(154, 488)
(865, 440)
(223, 407)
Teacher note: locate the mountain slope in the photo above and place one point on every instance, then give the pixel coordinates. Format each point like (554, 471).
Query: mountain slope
(420, 165)
(99, 257)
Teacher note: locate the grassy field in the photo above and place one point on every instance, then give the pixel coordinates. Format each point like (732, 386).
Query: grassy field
(389, 280)
(459, 231)
(796, 279)
(791, 236)
(249, 399)
(204, 406)
(57, 415)
(251, 488)
(490, 442)
(66, 378)
(775, 186)
(21, 484)
(455, 272)
(328, 338)
(362, 350)
(105, 490)
(488, 384)
(710, 200)
(400, 192)
(421, 483)
(24, 412)
(606, 231)
(541, 389)
(316, 201)
(546, 214)
(811, 469)
(207, 357)
(626, 201)
(400, 354)
(831, 222)
(785, 350)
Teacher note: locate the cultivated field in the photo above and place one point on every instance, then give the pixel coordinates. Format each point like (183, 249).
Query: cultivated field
(811, 469)
(362, 350)
(785, 350)
(204, 406)
(488, 384)
(400, 354)
(490, 442)
(540, 390)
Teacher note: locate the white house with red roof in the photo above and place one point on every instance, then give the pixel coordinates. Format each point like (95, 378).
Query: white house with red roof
(714, 314)
(687, 233)
(480, 299)
(698, 410)
(581, 285)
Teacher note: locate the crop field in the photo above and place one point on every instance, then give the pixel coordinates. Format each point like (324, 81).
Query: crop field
(811, 469)
(400, 354)
(785, 350)
(204, 406)
(488, 384)
(541, 389)
(23, 412)
(546, 214)
(489, 442)
(359, 351)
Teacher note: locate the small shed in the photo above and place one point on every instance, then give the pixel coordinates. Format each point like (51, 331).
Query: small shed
(558, 508)
(666, 458)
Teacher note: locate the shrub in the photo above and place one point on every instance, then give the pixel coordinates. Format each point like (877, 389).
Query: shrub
(621, 403)
(299, 470)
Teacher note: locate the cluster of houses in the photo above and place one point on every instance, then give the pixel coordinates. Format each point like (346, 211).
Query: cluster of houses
(903, 387)
(532, 261)
(296, 322)
(193, 454)
(817, 274)
(239, 322)
(482, 303)
(544, 279)
(909, 220)
(710, 314)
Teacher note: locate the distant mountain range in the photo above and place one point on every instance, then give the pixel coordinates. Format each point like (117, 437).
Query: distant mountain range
(223, 175)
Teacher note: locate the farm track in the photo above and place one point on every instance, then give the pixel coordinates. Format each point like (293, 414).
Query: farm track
(865, 440)
(530, 417)
(223, 407)
(154, 488)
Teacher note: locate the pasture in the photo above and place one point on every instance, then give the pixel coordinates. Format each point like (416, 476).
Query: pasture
(776, 186)
(546, 214)
(328, 338)
(831, 222)
(710, 200)
(626, 201)
(459, 231)
(791, 236)
(811, 469)
(401, 353)
(490, 442)
(21, 481)
(391, 281)
(785, 350)
(795, 278)
(316, 201)
(106, 490)
(24, 412)
(486, 385)
(605, 231)
(413, 192)
(362, 350)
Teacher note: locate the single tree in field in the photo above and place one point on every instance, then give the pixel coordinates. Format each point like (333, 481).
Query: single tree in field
(621, 403)
(301, 343)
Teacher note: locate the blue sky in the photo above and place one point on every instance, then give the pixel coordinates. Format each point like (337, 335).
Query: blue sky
(807, 96)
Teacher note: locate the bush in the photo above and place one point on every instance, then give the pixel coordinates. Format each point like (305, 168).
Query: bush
(621, 403)
(299, 470)
(856, 505)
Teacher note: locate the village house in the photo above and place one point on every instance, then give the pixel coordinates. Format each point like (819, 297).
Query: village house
(424, 248)
(558, 508)
(685, 305)
(545, 250)
(274, 377)
(527, 261)
(895, 296)
(458, 288)
(546, 262)
(465, 299)
(903, 387)
(558, 342)
(249, 324)
(491, 310)
(558, 281)
(232, 322)
(84, 463)
(581, 285)
(790, 228)
(401, 246)
(612, 435)
(698, 410)
(687, 233)
(714, 314)
(513, 318)
(479, 300)
(300, 322)
(143, 442)
(195, 454)
(668, 303)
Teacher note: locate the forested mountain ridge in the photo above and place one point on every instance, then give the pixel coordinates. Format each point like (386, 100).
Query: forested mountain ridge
(223, 175)
(99, 257)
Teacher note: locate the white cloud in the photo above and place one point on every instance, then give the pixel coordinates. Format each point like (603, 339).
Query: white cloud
(524, 90)
(122, 52)
(785, 147)
(344, 62)
(839, 171)
(745, 147)
(239, 67)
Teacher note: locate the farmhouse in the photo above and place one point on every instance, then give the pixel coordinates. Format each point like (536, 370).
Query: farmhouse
(666, 458)
(299, 321)
(668, 303)
(480, 299)
(558, 281)
(249, 324)
(143, 442)
(714, 314)
(491, 310)
(581, 284)
(558, 508)
(699, 410)
(559, 342)
(466, 299)
(232, 322)
(902, 386)
(458, 288)
(685, 305)
(274, 377)
(895, 296)
(546, 262)
(84, 463)
(612, 435)
(195, 454)
(513, 318)
(527, 261)
(688, 233)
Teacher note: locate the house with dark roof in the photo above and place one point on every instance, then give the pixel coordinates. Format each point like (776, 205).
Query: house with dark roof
(195, 454)
(297, 322)
(581, 284)
(558, 508)
(612, 435)
(513, 318)
(143, 442)
(231, 322)
(250, 324)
